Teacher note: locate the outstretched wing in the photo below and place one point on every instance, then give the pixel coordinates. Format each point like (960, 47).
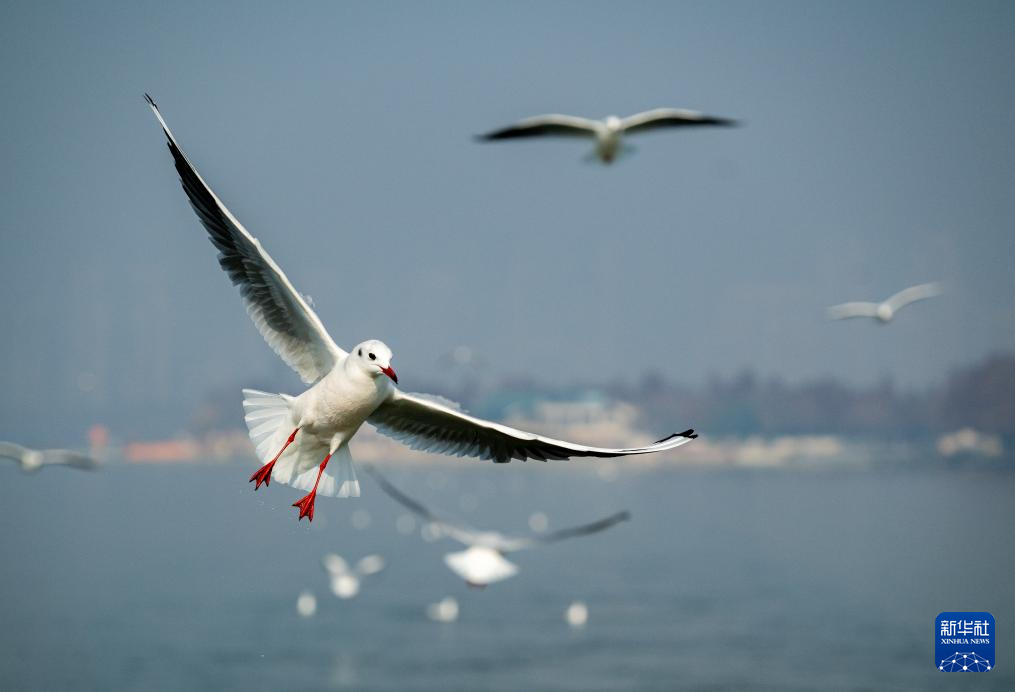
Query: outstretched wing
(9, 450)
(459, 531)
(541, 125)
(913, 294)
(432, 426)
(281, 314)
(67, 457)
(849, 310)
(512, 544)
(670, 117)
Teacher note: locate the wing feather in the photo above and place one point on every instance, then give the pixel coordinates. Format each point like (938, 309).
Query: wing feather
(913, 294)
(279, 312)
(550, 124)
(512, 544)
(70, 458)
(847, 311)
(670, 117)
(427, 425)
(457, 530)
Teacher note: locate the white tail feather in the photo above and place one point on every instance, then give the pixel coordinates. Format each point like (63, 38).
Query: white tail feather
(345, 473)
(338, 479)
(269, 420)
(266, 415)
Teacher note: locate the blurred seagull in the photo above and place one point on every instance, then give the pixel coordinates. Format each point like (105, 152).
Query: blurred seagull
(346, 580)
(444, 610)
(884, 312)
(306, 603)
(607, 133)
(483, 562)
(348, 389)
(31, 460)
(577, 614)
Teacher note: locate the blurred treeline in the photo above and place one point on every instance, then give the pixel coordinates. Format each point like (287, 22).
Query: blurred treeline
(981, 396)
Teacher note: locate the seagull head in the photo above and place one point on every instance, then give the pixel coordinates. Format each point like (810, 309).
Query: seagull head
(885, 312)
(374, 358)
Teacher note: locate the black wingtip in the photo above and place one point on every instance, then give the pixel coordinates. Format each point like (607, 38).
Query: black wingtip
(689, 434)
(151, 101)
(623, 516)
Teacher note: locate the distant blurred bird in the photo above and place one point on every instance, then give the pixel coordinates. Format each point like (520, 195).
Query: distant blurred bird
(306, 604)
(347, 388)
(577, 614)
(884, 312)
(444, 610)
(346, 580)
(483, 562)
(32, 460)
(608, 133)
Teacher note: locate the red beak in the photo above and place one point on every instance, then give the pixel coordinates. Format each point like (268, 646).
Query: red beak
(390, 372)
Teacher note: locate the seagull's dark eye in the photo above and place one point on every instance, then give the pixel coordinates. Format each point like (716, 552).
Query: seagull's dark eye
(372, 356)
(361, 353)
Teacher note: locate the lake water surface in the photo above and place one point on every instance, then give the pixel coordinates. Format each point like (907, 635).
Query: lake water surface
(182, 578)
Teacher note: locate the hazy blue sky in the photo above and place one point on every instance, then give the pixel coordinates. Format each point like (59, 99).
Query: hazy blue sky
(877, 152)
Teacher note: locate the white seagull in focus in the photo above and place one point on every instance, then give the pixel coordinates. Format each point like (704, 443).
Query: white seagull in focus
(608, 133)
(346, 579)
(885, 311)
(297, 436)
(31, 460)
(483, 562)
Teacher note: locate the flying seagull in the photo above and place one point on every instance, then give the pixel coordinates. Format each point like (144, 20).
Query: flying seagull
(884, 312)
(297, 436)
(483, 562)
(607, 133)
(32, 460)
(346, 580)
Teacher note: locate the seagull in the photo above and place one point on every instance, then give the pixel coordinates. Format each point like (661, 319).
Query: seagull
(306, 604)
(884, 312)
(346, 580)
(31, 460)
(444, 610)
(608, 132)
(482, 562)
(577, 614)
(297, 436)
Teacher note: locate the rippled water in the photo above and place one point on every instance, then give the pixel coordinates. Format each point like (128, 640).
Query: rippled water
(172, 578)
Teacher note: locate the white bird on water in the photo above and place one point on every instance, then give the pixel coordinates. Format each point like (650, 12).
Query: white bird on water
(346, 579)
(297, 436)
(482, 562)
(32, 460)
(444, 610)
(608, 133)
(884, 311)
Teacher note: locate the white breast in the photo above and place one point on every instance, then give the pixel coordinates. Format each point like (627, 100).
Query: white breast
(340, 402)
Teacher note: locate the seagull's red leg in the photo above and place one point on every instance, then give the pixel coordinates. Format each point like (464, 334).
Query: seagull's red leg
(263, 474)
(306, 503)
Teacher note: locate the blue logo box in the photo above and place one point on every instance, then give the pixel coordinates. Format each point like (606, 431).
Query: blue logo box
(964, 642)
